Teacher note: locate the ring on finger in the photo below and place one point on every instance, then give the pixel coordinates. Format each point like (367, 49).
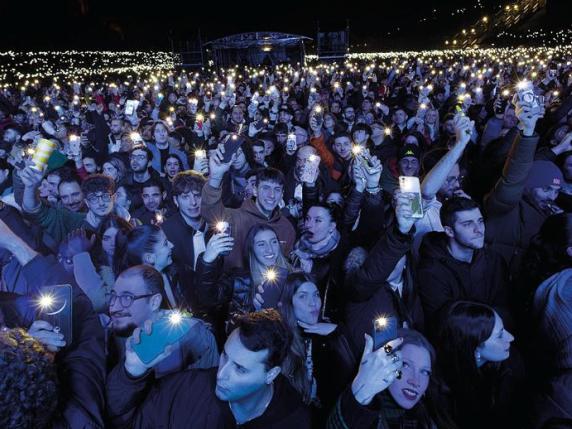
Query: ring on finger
(394, 358)
(388, 349)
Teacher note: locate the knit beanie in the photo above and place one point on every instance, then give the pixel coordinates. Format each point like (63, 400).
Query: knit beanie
(544, 174)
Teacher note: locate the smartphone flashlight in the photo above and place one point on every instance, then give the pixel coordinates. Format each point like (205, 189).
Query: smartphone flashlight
(46, 302)
(222, 226)
(270, 275)
(200, 153)
(356, 149)
(387, 131)
(381, 322)
(175, 318)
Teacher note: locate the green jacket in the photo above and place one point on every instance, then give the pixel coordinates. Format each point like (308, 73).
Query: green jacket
(58, 222)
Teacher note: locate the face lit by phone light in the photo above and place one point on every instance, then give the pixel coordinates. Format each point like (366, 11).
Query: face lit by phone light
(306, 303)
(409, 166)
(266, 249)
(416, 374)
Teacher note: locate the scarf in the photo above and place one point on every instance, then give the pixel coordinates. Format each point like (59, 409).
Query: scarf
(305, 252)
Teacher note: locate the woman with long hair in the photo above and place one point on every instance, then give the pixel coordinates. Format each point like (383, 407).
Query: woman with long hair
(480, 384)
(393, 388)
(225, 295)
(319, 349)
(148, 245)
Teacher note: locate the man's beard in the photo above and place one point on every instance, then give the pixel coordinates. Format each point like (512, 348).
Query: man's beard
(125, 331)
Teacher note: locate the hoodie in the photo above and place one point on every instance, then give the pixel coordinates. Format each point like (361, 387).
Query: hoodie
(241, 220)
(444, 279)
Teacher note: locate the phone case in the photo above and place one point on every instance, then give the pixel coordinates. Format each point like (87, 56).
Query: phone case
(411, 185)
(382, 334)
(310, 168)
(231, 145)
(164, 333)
(60, 311)
(291, 144)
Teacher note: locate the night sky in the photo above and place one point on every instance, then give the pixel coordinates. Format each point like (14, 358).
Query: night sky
(127, 24)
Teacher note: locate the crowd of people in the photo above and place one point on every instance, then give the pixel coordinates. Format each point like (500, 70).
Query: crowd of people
(276, 211)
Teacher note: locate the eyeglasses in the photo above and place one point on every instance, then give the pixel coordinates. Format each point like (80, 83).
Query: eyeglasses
(93, 198)
(138, 157)
(125, 300)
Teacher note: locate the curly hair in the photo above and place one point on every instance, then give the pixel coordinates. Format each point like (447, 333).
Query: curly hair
(28, 382)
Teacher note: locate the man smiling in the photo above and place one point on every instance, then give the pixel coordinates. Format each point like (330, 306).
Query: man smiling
(268, 192)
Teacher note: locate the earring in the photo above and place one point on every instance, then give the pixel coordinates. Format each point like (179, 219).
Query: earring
(478, 356)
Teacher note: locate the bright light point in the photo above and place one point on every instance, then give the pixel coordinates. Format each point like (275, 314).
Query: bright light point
(270, 275)
(381, 322)
(46, 301)
(175, 318)
(221, 226)
(356, 149)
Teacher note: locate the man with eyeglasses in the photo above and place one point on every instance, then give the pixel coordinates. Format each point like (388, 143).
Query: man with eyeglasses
(58, 222)
(138, 295)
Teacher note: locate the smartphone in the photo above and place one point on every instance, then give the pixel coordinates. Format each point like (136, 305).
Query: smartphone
(55, 306)
(411, 185)
(318, 114)
(502, 107)
(231, 145)
(131, 107)
(223, 227)
(291, 144)
(525, 94)
(311, 166)
(167, 330)
(75, 148)
(384, 331)
(274, 280)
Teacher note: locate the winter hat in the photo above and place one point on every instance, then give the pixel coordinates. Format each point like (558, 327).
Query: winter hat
(543, 174)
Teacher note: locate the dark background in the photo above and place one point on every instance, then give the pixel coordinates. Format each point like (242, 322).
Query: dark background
(127, 24)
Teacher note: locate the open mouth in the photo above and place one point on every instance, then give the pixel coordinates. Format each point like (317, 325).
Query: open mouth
(410, 394)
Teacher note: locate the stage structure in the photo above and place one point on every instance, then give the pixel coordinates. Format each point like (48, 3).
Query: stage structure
(258, 48)
(333, 45)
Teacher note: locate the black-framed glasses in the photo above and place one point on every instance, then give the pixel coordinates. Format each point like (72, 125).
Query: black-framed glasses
(125, 300)
(93, 198)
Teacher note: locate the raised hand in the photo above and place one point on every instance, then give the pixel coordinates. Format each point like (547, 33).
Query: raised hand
(377, 370)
